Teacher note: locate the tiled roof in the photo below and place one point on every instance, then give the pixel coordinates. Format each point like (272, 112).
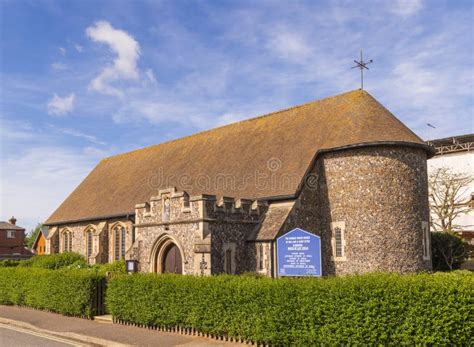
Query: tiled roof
(272, 222)
(227, 161)
(43, 231)
(9, 226)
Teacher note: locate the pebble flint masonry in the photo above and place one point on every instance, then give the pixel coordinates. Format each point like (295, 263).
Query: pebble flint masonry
(343, 168)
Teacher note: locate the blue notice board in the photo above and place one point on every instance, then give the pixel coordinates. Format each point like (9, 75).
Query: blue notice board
(299, 254)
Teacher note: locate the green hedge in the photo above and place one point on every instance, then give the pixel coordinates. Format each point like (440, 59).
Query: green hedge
(367, 309)
(55, 261)
(66, 291)
(9, 262)
(115, 268)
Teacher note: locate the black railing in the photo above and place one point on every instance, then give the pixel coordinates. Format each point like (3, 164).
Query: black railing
(98, 299)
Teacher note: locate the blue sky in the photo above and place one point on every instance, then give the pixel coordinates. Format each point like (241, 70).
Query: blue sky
(82, 80)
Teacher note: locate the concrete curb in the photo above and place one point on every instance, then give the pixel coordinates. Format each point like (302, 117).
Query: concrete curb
(71, 337)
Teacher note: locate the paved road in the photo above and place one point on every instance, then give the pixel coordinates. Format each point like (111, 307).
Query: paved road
(13, 337)
(94, 332)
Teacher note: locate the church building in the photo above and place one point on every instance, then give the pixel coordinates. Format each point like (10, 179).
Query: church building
(343, 168)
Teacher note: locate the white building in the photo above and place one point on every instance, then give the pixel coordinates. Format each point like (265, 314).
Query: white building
(457, 154)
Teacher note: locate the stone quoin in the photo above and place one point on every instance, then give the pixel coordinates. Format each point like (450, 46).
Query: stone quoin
(343, 168)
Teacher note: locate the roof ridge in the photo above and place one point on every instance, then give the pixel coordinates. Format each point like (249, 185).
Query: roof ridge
(238, 122)
(240, 151)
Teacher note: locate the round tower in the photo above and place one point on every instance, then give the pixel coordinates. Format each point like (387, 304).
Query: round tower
(375, 209)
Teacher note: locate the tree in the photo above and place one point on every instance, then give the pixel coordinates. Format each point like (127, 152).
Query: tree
(449, 198)
(30, 239)
(449, 251)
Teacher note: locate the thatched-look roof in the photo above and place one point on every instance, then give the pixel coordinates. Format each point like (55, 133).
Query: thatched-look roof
(261, 157)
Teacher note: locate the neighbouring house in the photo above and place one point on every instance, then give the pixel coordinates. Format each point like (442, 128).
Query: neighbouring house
(12, 239)
(39, 246)
(343, 168)
(456, 153)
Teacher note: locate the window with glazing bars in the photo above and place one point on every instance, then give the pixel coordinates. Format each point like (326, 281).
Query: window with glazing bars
(119, 242)
(67, 240)
(338, 237)
(89, 243)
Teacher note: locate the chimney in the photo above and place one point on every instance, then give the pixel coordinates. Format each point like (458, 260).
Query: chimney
(12, 220)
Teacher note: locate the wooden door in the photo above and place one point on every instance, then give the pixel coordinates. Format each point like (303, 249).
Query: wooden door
(172, 262)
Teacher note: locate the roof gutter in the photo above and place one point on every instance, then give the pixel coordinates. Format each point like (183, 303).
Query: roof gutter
(91, 219)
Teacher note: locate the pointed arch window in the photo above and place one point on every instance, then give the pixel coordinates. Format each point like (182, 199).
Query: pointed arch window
(67, 241)
(89, 243)
(119, 233)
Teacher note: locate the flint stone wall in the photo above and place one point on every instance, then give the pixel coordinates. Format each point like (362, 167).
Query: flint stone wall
(201, 226)
(102, 249)
(381, 194)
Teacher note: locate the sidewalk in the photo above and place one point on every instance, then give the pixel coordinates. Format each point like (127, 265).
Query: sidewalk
(95, 333)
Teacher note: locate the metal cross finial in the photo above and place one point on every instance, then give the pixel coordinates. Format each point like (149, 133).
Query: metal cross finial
(362, 65)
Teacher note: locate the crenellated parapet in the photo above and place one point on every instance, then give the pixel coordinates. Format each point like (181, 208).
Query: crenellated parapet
(231, 208)
(171, 206)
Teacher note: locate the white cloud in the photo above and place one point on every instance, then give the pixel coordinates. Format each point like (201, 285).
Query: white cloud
(124, 65)
(34, 183)
(37, 172)
(59, 106)
(289, 45)
(79, 48)
(406, 8)
(62, 50)
(58, 66)
(154, 112)
(77, 133)
(15, 131)
(150, 75)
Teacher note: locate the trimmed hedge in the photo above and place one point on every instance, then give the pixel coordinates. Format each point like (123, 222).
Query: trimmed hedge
(373, 309)
(115, 268)
(54, 261)
(67, 291)
(9, 262)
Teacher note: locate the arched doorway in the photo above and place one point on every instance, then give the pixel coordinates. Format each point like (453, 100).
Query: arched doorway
(167, 255)
(172, 262)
